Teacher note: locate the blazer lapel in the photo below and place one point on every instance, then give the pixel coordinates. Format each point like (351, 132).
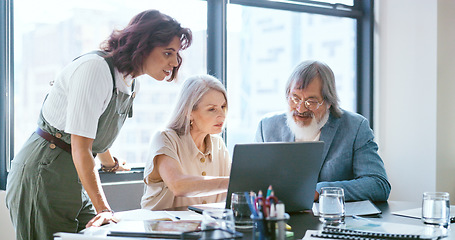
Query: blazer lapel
(328, 133)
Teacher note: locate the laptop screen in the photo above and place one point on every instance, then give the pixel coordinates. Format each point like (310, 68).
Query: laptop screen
(292, 168)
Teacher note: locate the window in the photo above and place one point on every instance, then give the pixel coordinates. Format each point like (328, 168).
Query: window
(265, 45)
(46, 38)
(252, 46)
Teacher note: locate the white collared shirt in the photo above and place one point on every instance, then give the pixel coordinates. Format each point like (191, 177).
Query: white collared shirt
(80, 94)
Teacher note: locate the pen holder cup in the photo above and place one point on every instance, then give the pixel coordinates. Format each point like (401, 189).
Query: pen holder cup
(269, 228)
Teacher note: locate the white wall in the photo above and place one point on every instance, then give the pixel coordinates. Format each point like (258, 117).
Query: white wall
(414, 64)
(445, 180)
(6, 228)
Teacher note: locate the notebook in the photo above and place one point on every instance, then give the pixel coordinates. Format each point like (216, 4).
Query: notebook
(386, 231)
(291, 168)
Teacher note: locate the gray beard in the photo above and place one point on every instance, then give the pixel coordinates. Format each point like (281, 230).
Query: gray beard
(306, 133)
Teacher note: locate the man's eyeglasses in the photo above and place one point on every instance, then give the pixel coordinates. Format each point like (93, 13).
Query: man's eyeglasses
(310, 104)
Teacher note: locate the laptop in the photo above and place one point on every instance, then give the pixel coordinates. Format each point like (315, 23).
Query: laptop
(292, 168)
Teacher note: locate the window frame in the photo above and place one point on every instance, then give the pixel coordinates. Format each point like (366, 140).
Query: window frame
(362, 10)
(6, 87)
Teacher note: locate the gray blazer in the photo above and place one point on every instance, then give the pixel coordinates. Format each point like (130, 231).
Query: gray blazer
(351, 160)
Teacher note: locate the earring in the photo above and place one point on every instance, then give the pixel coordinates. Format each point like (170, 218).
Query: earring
(191, 122)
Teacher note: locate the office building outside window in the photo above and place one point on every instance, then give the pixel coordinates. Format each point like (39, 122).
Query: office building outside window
(265, 45)
(49, 34)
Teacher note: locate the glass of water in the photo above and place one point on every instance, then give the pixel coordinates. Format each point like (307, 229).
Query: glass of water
(436, 208)
(241, 210)
(218, 219)
(331, 205)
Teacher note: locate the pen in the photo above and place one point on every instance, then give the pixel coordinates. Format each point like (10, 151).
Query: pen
(172, 215)
(269, 191)
(260, 201)
(249, 199)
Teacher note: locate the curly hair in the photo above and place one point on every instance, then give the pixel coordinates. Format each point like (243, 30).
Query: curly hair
(130, 47)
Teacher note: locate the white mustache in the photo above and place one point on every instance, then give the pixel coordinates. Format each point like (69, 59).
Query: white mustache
(304, 114)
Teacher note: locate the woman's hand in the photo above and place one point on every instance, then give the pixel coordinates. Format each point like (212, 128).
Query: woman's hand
(102, 218)
(122, 166)
(110, 162)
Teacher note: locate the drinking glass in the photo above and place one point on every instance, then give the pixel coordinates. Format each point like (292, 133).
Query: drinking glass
(241, 210)
(218, 219)
(331, 205)
(436, 208)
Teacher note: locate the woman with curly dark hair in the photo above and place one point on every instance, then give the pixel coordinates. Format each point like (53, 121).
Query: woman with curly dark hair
(53, 185)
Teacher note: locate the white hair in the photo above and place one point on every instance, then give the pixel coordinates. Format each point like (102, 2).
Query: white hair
(306, 72)
(193, 89)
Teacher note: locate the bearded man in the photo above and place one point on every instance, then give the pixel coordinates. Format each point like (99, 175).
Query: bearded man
(350, 156)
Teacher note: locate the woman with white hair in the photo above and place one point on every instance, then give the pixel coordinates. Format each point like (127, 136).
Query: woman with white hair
(188, 162)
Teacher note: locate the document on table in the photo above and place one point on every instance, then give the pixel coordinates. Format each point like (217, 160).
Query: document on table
(417, 212)
(141, 221)
(358, 208)
(143, 214)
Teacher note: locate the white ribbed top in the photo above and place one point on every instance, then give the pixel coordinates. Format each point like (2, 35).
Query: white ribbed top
(80, 95)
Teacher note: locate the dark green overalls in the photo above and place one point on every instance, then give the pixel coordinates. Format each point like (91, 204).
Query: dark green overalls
(44, 194)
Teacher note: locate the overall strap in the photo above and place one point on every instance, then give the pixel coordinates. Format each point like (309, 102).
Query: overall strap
(109, 61)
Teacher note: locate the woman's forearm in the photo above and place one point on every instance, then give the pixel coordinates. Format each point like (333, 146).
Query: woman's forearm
(106, 159)
(85, 167)
(185, 185)
(198, 186)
